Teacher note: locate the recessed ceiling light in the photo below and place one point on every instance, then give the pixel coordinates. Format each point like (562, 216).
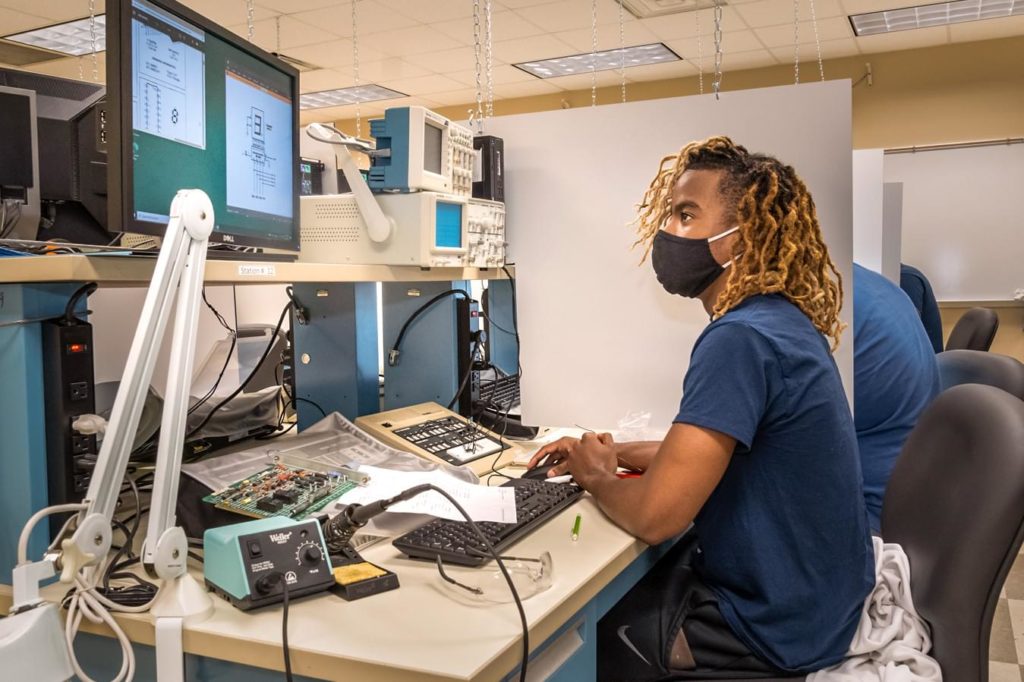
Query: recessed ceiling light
(73, 37)
(342, 96)
(606, 60)
(922, 16)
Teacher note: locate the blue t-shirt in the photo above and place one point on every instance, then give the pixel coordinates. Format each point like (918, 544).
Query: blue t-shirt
(895, 378)
(919, 289)
(784, 536)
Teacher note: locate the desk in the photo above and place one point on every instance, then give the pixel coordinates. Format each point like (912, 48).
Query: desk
(420, 632)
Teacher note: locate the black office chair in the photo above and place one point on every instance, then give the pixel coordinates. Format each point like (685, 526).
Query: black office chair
(975, 330)
(978, 367)
(955, 502)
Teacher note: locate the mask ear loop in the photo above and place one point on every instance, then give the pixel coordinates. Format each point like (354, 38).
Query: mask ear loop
(726, 234)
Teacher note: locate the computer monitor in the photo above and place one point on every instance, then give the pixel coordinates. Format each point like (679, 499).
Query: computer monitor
(19, 164)
(193, 105)
(72, 156)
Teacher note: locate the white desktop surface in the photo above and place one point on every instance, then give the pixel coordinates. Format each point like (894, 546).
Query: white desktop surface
(419, 631)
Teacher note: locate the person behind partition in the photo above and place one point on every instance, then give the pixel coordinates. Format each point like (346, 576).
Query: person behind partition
(895, 377)
(762, 455)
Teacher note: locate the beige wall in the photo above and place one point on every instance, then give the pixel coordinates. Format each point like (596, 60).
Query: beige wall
(950, 93)
(1010, 337)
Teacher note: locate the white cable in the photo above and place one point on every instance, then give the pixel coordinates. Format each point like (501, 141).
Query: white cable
(30, 525)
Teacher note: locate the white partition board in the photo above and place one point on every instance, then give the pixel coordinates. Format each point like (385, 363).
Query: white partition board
(867, 208)
(892, 230)
(963, 219)
(599, 336)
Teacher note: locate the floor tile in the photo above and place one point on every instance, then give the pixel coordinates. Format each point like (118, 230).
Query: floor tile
(1004, 672)
(1001, 646)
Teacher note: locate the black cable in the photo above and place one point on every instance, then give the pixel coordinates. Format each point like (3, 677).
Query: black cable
(468, 373)
(284, 634)
(297, 399)
(248, 379)
(227, 360)
(69, 310)
(504, 571)
(395, 352)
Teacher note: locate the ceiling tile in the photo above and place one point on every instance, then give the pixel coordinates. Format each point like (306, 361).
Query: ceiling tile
(503, 74)
(904, 40)
(446, 61)
(504, 26)
(828, 29)
(403, 42)
(392, 68)
(432, 11)
(537, 87)
(568, 15)
(16, 22)
(71, 67)
(634, 33)
(732, 41)
(517, 4)
(987, 30)
(655, 72)
(373, 17)
(422, 85)
(534, 47)
(324, 79)
(830, 49)
(684, 25)
(293, 6)
(293, 34)
(218, 11)
(52, 11)
(336, 53)
(452, 97)
(861, 6)
(775, 12)
(737, 61)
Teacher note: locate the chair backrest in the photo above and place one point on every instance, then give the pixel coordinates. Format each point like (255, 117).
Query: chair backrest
(974, 330)
(955, 502)
(978, 367)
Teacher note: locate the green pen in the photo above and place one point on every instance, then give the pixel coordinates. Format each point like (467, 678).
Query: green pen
(576, 528)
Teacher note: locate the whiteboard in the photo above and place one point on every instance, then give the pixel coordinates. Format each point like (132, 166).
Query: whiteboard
(600, 337)
(963, 219)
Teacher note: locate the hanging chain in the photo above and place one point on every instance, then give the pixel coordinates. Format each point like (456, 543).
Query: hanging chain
(717, 83)
(700, 52)
(478, 113)
(817, 42)
(81, 69)
(355, 67)
(250, 17)
(92, 39)
(622, 51)
(796, 41)
(277, 35)
(489, 57)
(593, 53)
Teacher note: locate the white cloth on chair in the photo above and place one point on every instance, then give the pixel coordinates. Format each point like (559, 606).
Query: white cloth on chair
(892, 642)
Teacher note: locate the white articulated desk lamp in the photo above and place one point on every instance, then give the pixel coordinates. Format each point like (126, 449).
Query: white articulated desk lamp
(32, 636)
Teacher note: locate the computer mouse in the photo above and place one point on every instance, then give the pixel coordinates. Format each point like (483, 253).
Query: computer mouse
(539, 472)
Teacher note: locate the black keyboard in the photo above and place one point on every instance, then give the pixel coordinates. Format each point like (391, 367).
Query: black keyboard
(456, 543)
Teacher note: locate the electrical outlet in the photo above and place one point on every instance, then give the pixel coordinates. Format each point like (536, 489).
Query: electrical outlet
(80, 390)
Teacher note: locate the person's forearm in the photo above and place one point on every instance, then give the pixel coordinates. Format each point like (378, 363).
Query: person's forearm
(623, 500)
(637, 455)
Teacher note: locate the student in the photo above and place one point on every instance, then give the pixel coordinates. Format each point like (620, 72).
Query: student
(762, 456)
(895, 376)
(919, 289)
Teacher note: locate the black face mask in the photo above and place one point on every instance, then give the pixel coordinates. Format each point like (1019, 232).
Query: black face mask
(685, 266)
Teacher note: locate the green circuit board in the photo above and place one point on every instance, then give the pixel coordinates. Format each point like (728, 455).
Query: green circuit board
(281, 490)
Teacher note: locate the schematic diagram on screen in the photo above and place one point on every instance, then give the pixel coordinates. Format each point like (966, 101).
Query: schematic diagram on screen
(168, 84)
(263, 175)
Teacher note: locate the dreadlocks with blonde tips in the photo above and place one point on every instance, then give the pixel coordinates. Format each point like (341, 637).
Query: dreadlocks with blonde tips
(780, 248)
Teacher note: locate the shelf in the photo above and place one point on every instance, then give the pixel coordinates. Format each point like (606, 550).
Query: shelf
(136, 271)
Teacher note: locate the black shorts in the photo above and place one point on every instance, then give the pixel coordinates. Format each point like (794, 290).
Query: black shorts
(635, 638)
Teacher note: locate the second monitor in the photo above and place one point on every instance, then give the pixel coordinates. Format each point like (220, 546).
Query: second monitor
(192, 105)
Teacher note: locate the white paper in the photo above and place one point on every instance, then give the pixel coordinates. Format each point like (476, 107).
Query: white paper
(480, 502)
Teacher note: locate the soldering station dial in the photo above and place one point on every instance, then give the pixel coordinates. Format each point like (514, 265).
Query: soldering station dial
(308, 552)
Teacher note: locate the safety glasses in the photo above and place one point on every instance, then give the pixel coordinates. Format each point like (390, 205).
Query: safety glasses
(531, 576)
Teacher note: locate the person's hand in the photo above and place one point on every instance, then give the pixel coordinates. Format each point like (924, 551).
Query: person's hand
(553, 452)
(591, 459)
